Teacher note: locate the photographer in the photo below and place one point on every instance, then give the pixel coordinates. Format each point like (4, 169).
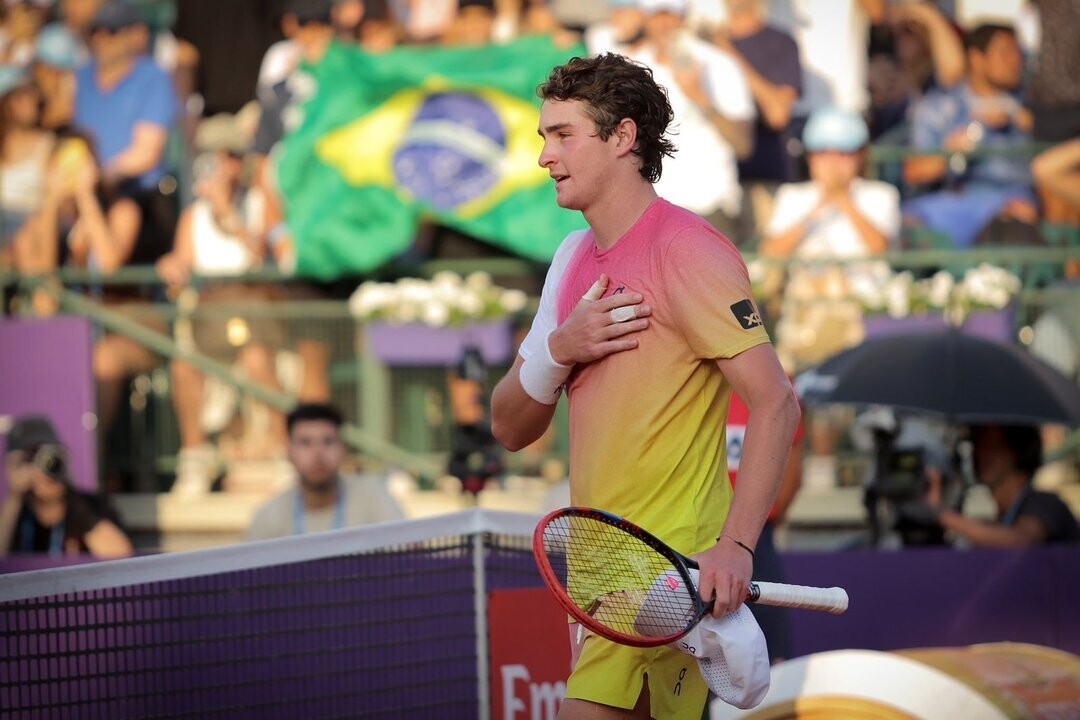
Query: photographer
(42, 512)
(1006, 458)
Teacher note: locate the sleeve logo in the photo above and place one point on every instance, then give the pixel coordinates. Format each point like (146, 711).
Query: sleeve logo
(747, 315)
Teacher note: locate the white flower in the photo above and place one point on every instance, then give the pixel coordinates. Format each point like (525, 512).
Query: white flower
(469, 302)
(478, 281)
(898, 295)
(940, 289)
(513, 301)
(435, 314)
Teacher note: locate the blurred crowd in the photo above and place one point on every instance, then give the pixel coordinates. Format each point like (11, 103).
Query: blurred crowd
(144, 133)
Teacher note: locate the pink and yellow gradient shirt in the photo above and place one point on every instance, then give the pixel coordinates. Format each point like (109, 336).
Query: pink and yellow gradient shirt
(647, 426)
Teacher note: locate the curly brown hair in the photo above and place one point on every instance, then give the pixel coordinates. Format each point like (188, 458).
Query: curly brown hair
(613, 88)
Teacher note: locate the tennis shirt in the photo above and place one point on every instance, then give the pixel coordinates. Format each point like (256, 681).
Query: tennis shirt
(647, 425)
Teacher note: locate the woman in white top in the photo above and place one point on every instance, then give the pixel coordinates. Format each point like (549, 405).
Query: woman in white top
(220, 236)
(24, 154)
(835, 215)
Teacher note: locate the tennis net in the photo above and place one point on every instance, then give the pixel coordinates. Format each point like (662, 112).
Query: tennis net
(385, 621)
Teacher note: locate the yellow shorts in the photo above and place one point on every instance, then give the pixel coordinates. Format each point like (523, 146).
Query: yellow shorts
(611, 674)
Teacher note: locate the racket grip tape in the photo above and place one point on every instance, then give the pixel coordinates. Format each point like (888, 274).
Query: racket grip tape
(832, 600)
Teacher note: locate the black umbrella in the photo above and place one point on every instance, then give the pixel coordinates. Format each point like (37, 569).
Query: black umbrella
(965, 378)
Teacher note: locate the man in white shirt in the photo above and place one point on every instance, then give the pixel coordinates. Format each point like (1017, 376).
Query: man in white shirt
(832, 37)
(323, 499)
(836, 214)
(714, 114)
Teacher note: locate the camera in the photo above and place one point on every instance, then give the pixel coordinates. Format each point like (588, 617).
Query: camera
(51, 460)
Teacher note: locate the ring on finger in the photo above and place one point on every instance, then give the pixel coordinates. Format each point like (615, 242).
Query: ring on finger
(623, 313)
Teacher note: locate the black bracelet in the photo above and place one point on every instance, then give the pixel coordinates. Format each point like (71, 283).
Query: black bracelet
(743, 545)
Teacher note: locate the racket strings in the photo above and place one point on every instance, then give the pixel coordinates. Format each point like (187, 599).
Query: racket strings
(618, 580)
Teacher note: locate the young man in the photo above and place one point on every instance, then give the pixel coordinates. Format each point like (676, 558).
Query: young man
(984, 111)
(323, 499)
(646, 318)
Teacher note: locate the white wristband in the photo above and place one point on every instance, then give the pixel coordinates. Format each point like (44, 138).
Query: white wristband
(542, 378)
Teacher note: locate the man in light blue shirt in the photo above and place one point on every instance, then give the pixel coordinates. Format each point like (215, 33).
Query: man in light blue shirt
(981, 113)
(127, 104)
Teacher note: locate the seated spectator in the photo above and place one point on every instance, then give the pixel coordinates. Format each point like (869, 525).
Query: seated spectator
(127, 105)
(832, 36)
(983, 112)
(714, 110)
(323, 499)
(22, 19)
(770, 60)
(43, 513)
(1057, 173)
(346, 16)
(79, 222)
(24, 155)
(1006, 459)
(220, 234)
(622, 28)
(836, 214)
(472, 25)
(78, 17)
(916, 50)
(379, 32)
(55, 62)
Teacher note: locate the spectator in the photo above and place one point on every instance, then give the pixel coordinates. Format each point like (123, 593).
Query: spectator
(473, 25)
(346, 16)
(42, 512)
(981, 113)
(220, 234)
(1057, 172)
(1006, 459)
(55, 62)
(308, 26)
(1055, 106)
(832, 37)
(622, 28)
(770, 60)
(22, 19)
(323, 499)
(379, 32)
(79, 222)
(24, 154)
(128, 106)
(836, 214)
(713, 110)
(917, 50)
(78, 16)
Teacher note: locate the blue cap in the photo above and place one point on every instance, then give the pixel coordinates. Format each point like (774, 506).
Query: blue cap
(116, 15)
(57, 47)
(12, 77)
(831, 128)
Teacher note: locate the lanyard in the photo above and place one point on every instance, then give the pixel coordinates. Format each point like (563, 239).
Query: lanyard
(339, 511)
(1014, 510)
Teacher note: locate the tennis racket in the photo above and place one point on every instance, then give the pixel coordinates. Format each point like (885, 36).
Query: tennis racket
(626, 585)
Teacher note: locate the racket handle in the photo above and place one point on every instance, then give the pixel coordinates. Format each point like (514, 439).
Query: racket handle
(832, 600)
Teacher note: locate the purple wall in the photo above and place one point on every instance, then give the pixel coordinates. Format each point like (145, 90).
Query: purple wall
(941, 597)
(45, 368)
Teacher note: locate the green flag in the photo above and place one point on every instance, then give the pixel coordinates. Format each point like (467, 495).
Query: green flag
(449, 133)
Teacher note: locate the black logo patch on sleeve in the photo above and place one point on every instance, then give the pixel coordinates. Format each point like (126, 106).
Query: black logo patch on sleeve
(747, 315)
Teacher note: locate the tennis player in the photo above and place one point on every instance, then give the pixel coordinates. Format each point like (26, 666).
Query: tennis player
(647, 320)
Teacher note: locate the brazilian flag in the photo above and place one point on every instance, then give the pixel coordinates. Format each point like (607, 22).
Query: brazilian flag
(447, 133)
